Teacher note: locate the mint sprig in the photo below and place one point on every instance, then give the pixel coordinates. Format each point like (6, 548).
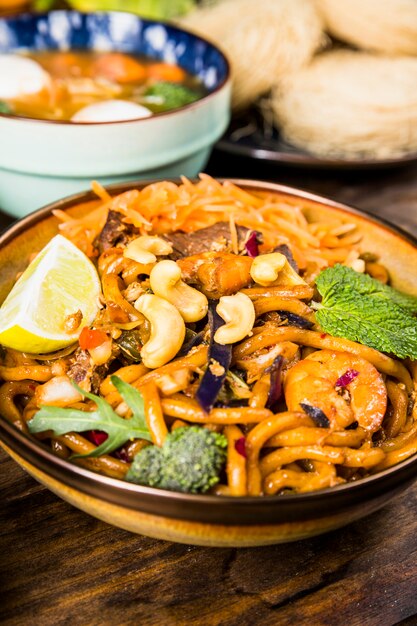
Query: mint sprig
(358, 307)
(65, 420)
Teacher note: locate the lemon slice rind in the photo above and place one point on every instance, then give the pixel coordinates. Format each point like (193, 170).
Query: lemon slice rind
(59, 282)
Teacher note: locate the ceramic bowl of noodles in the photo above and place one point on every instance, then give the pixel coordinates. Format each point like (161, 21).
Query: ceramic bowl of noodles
(220, 363)
(105, 96)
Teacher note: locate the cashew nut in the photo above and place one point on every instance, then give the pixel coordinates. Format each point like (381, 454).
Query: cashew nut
(145, 248)
(165, 280)
(274, 269)
(239, 314)
(167, 330)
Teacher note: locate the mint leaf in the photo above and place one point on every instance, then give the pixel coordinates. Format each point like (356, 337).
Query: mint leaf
(64, 420)
(364, 285)
(358, 310)
(385, 327)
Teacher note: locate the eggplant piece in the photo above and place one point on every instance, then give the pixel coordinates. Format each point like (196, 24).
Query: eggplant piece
(219, 359)
(275, 389)
(295, 320)
(317, 415)
(192, 339)
(280, 317)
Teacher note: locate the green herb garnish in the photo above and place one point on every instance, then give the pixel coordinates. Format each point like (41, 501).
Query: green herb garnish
(172, 95)
(360, 308)
(364, 285)
(119, 430)
(189, 461)
(5, 109)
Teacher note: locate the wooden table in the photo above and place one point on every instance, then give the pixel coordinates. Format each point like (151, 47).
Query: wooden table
(58, 566)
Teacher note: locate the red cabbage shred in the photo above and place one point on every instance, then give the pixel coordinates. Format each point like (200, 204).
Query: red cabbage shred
(97, 437)
(240, 446)
(346, 378)
(251, 246)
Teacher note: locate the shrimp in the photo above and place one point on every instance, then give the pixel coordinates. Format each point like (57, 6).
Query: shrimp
(215, 273)
(313, 381)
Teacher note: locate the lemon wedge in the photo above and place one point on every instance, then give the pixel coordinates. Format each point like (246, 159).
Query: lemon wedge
(58, 283)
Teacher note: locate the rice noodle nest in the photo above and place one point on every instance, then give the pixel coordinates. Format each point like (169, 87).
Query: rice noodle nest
(351, 105)
(388, 26)
(263, 39)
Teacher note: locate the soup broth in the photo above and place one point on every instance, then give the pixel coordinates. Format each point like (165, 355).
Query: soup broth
(78, 79)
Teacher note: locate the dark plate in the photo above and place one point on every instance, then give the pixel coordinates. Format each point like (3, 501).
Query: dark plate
(249, 135)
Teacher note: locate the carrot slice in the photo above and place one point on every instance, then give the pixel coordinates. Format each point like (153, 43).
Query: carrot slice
(166, 71)
(120, 68)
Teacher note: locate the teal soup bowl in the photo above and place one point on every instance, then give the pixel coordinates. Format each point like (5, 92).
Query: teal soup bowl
(42, 160)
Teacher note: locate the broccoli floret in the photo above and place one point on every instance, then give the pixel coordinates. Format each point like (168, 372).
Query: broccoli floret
(189, 461)
(146, 467)
(172, 95)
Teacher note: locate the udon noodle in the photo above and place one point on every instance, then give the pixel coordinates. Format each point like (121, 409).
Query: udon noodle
(301, 410)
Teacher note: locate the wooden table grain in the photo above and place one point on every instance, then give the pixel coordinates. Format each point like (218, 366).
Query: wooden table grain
(59, 566)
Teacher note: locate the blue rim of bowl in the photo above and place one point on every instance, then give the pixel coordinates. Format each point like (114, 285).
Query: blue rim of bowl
(226, 80)
(221, 510)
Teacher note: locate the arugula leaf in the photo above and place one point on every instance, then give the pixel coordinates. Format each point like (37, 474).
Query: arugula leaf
(119, 430)
(354, 308)
(133, 399)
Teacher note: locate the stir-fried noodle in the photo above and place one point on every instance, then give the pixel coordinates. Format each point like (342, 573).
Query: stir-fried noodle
(300, 409)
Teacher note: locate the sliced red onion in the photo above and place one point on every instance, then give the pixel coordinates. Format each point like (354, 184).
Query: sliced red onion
(97, 437)
(346, 378)
(211, 383)
(240, 446)
(275, 389)
(252, 244)
(317, 415)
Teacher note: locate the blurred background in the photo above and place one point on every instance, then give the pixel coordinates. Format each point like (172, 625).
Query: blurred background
(147, 8)
(318, 83)
(322, 90)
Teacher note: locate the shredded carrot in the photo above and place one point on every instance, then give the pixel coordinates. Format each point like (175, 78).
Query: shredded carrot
(100, 191)
(165, 206)
(166, 71)
(119, 67)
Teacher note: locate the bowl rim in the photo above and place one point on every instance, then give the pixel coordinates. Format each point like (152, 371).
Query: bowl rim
(197, 507)
(163, 114)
